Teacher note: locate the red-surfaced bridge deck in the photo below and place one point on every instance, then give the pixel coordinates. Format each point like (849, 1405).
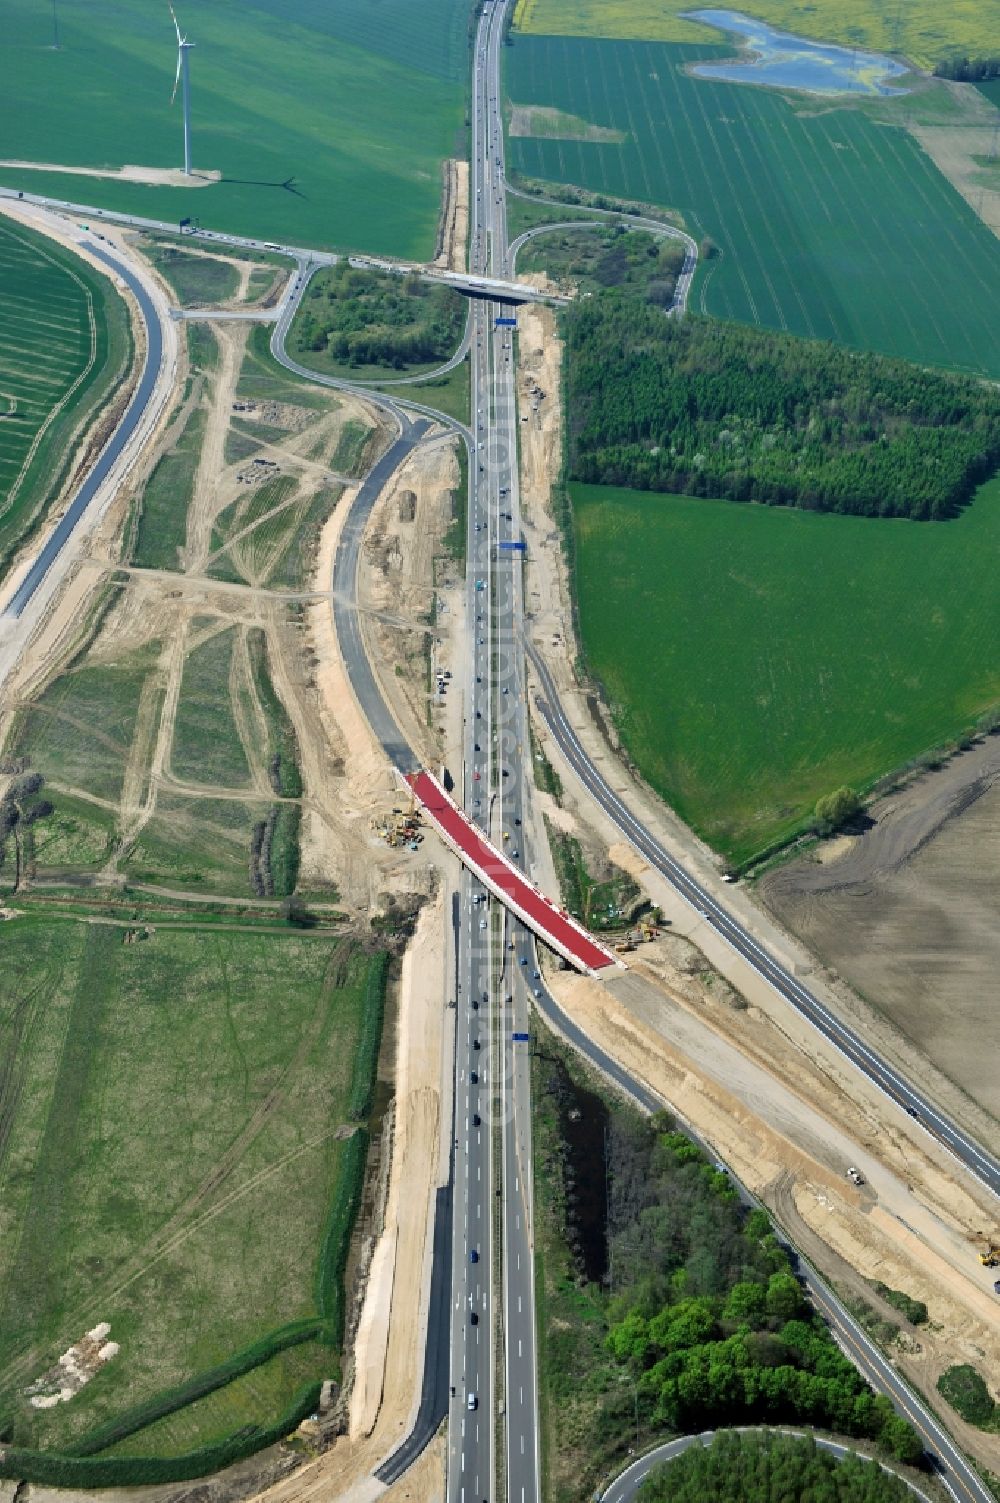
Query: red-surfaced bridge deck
(552, 924)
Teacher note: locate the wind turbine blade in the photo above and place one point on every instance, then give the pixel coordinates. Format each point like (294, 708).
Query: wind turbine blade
(177, 77)
(174, 19)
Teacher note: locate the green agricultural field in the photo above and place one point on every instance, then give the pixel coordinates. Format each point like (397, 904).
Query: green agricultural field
(329, 123)
(65, 344)
(828, 224)
(756, 658)
(172, 1107)
(161, 522)
(990, 89)
(921, 30)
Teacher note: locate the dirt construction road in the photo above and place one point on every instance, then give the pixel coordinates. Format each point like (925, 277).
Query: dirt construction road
(707, 1034)
(790, 1132)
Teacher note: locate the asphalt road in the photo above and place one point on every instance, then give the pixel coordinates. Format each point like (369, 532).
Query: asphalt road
(958, 1474)
(497, 757)
(972, 1155)
(491, 1246)
(654, 226)
(627, 1484)
(63, 530)
(345, 610)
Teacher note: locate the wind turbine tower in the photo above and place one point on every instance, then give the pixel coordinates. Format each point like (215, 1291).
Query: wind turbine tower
(182, 77)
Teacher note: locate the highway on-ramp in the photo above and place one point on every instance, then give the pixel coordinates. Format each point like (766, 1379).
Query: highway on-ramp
(484, 1248)
(627, 1483)
(958, 1474)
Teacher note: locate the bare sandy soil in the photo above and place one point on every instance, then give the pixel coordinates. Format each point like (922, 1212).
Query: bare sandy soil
(160, 177)
(412, 596)
(705, 1032)
(243, 266)
(453, 228)
(906, 912)
(954, 148)
(789, 1131)
(389, 1344)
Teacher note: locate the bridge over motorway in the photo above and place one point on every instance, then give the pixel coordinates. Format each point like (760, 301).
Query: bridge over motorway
(553, 925)
(498, 289)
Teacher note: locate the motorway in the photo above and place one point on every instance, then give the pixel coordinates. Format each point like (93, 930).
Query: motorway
(496, 979)
(983, 1165)
(504, 759)
(493, 1446)
(498, 750)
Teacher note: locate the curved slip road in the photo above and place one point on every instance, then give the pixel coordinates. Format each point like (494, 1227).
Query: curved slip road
(958, 1474)
(976, 1159)
(134, 412)
(628, 1482)
(345, 611)
(653, 226)
(630, 221)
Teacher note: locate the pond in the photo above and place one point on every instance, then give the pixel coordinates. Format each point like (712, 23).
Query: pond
(784, 61)
(583, 1123)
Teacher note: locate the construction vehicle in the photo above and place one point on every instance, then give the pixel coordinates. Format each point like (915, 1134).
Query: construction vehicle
(399, 828)
(625, 945)
(648, 931)
(989, 1256)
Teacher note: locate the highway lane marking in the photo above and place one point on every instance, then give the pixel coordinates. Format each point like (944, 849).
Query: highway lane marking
(770, 970)
(867, 1351)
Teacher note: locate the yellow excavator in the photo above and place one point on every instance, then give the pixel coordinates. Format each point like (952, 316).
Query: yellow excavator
(989, 1256)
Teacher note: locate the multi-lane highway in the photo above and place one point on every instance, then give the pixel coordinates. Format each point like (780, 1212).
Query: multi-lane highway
(496, 752)
(504, 1449)
(973, 1156)
(483, 1289)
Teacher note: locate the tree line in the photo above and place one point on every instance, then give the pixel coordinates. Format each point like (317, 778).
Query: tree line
(712, 1325)
(968, 69)
(760, 1468)
(713, 409)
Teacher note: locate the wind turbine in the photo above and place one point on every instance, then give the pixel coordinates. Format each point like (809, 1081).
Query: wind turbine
(182, 78)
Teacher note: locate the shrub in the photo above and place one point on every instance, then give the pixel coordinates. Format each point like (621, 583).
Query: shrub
(966, 1392)
(835, 809)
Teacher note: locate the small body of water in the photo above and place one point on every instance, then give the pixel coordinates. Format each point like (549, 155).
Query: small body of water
(583, 1121)
(788, 62)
